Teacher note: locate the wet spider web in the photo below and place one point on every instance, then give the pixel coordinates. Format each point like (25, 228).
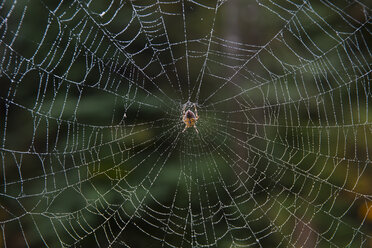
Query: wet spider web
(91, 143)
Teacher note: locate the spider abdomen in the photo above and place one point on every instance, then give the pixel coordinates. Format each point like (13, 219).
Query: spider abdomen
(189, 118)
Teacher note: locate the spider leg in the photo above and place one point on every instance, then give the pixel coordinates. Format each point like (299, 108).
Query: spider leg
(196, 112)
(196, 129)
(184, 129)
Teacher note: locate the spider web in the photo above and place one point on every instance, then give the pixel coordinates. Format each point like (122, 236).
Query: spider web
(91, 143)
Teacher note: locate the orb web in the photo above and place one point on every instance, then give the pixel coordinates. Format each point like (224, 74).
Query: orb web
(91, 143)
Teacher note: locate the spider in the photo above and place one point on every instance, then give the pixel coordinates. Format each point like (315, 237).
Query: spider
(189, 118)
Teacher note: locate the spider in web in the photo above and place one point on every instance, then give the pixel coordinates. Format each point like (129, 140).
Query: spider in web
(189, 118)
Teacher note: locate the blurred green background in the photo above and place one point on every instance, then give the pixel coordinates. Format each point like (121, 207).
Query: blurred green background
(91, 143)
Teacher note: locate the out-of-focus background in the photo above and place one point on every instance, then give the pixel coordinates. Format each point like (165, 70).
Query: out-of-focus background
(92, 148)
